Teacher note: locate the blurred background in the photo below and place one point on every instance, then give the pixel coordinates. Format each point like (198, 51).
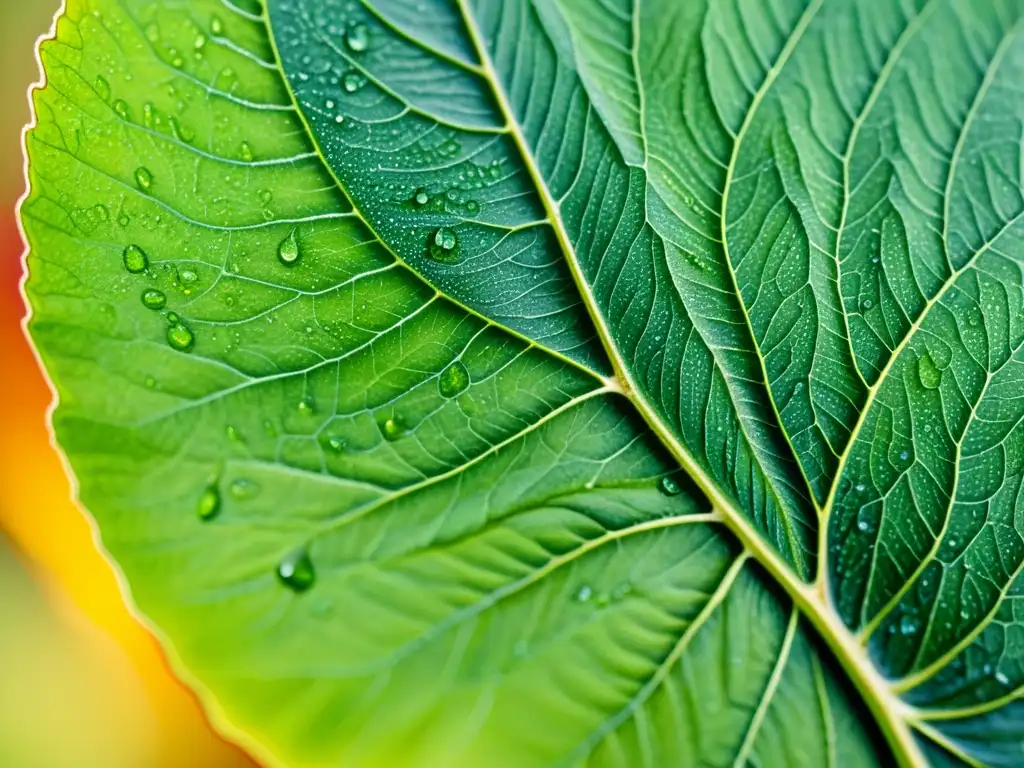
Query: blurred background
(82, 684)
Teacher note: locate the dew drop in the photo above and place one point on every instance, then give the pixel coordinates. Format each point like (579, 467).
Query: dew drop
(669, 486)
(472, 206)
(453, 380)
(216, 26)
(296, 571)
(143, 178)
(865, 524)
(908, 625)
(180, 337)
(209, 504)
(336, 444)
(306, 406)
(867, 304)
(288, 251)
(421, 197)
(904, 455)
(153, 299)
(121, 109)
(135, 259)
(243, 489)
(357, 38)
(352, 82)
(585, 593)
(928, 372)
(247, 155)
(103, 88)
(187, 277)
(392, 429)
(443, 245)
(1002, 679)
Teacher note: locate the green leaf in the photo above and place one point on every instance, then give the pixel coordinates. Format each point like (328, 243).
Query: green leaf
(535, 382)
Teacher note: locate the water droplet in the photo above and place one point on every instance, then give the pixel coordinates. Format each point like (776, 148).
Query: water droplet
(288, 251)
(907, 625)
(584, 593)
(867, 304)
(352, 82)
(453, 380)
(669, 486)
(1002, 679)
(928, 372)
(306, 406)
(209, 504)
(392, 429)
(904, 455)
(443, 245)
(135, 259)
(336, 444)
(357, 38)
(180, 337)
(121, 109)
(865, 523)
(860, 487)
(421, 197)
(243, 489)
(124, 220)
(247, 155)
(100, 213)
(103, 88)
(153, 299)
(472, 206)
(143, 178)
(266, 196)
(187, 277)
(216, 26)
(296, 571)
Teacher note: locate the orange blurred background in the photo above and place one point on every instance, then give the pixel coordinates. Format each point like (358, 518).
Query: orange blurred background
(82, 684)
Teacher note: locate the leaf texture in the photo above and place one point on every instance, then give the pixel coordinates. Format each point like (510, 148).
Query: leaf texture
(622, 383)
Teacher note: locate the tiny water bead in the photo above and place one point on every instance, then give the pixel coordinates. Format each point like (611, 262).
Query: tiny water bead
(421, 197)
(135, 259)
(453, 380)
(209, 504)
(443, 245)
(121, 109)
(669, 486)
(288, 251)
(357, 38)
(180, 337)
(244, 489)
(472, 206)
(153, 299)
(352, 82)
(296, 571)
(144, 178)
(585, 593)
(928, 372)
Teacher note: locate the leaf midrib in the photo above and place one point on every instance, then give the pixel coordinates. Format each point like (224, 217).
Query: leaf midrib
(889, 713)
(814, 602)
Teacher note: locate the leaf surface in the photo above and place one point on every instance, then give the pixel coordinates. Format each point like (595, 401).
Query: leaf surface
(550, 383)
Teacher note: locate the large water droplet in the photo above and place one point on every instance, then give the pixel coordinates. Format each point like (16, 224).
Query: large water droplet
(209, 504)
(121, 109)
(296, 571)
(357, 38)
(453, 380)
(135, 259)
(143, 178)
(928, 372)
(180, 337)
(669, 486)
(443, 245)
(392, 429)
(153, 299)
(421, 197)
(288, 251)
(103, 88)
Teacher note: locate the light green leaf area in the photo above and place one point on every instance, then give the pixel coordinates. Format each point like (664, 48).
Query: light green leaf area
(551, 382)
